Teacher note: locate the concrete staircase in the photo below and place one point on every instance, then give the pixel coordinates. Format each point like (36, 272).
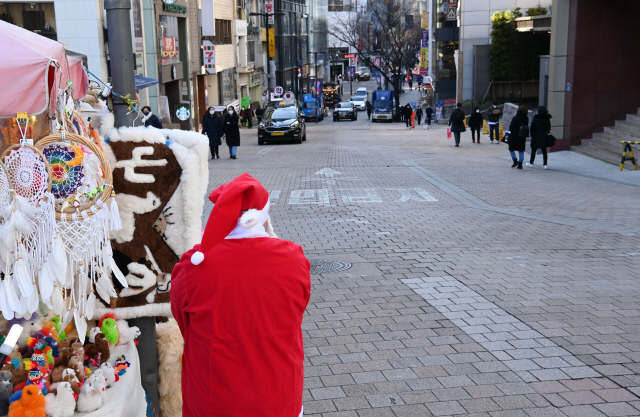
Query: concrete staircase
(606, 146)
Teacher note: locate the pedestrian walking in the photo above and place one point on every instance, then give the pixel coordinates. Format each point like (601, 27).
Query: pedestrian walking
(150, 119)
(212, 127)
(540, 129)
(429, 113)
(494, 113)
(518, 132)
(248, 114)
(239, 298)
(419, 115)
(259, 113)
(232, 131)
(456, 122)
(407, 115)
(410, 83)
(413, 118)
(369, 110)
(475, 124)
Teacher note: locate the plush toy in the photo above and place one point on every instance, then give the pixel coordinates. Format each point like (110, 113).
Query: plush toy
(14, 364)
(90, 398)
(6, 389)
(77, 365)
(109, 374)
(109, 328)
(98, 351)
(30, 326)
(53, 332)
(53, 344)
(122, 365)
(61, 404)
(91, 335)
(72, 379)
(56, 323)
(127, 334)
(98, 379)
(30, 404)
(77, 349)
(170, 347)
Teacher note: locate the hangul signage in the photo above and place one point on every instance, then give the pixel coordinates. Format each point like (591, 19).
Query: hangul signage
(347, 56)
(269, 8)
(425, 38)
(424, 61)
(169, 43)
(425, 19)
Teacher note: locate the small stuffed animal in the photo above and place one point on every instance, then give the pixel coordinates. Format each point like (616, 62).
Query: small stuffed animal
(61, 404)
(92, 334)
(109, 373)
(77, 365)
(90, 398)
(72, 379)
(99, 381)
(16, 366)
(30, 404)
(6, 389)
(110, 330)
(30, 326)
(53, 344)
(98, 350)
(77, 349)
(127, 334)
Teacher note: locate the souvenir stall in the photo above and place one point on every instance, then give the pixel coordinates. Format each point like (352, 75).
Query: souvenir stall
(62, 356)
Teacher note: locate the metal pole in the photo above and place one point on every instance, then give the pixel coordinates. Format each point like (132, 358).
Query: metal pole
(123, 82)
(266, 20)
(121, 56)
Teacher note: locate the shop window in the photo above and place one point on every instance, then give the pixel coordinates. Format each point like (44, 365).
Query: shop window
(36, 17)
(223, 32)
(228, 91)
(446, 60)
(251, 50)
(169, 44)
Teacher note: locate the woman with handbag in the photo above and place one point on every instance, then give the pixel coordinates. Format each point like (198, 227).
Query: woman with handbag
(518, 132)
(540, 128)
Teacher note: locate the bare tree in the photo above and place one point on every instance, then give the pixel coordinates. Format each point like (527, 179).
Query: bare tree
(385, 30)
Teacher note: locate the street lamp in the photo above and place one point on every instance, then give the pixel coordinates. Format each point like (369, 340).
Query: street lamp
(266, 23)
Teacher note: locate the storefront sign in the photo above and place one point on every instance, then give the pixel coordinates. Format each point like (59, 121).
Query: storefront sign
(425, 19)
(235, 105)
(245, 102)
(278, 90)
(169, 43)
(452, 13)
(183, 113)
(425, 38)
(137, 25)
(174, 8)
(424, 61)
(348, 56)
(140, 63)
(269, 9)
(272, 43)
(256, 79)
(209, 57)
(168, 1)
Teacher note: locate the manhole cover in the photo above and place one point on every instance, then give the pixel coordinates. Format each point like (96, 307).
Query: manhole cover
(324, 266)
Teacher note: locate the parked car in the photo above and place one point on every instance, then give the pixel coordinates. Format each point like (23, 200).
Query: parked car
(363, 73)
(345, 110)
(283, 123)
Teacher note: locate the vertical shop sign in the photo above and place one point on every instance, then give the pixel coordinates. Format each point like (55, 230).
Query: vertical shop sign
(425, 19)
(169, 43)
(425, 39)
(272, 43)
(209, 57)
(137, 25)
(269, 9)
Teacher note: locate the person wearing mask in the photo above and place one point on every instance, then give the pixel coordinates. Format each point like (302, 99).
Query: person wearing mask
(232, 131)
(494, 113)
(259, 113)
(212, 127)
(429, 113)
(518, 132)
(456, 122)
(475, 124)
(150, 119)
(419, 115)
(540, 129)
(248, 115)
(410, 82)
(369, 110)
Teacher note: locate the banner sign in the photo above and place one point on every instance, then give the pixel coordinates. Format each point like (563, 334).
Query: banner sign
(209, 57)
(272, 43)
(169, 43)
(425, 19)
(269, 9)
(425, 38)
(424, 61)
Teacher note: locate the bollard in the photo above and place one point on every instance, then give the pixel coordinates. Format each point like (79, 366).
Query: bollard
(501, 134)
(484, 128)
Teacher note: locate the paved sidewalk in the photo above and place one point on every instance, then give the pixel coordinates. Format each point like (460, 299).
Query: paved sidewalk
(474, 289)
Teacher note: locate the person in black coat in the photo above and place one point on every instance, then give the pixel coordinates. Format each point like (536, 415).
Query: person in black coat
(407, 111)
(456, 122)
(259, 113)
(475, 124)
(429, 113)
(212, 127)
(150, 119)
(518, 132)
(232, 131)
(369, 108)
(419, 114)
(540, 129)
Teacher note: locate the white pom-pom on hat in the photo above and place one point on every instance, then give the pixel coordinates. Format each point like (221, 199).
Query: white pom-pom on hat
(197, 258)
(250, 218)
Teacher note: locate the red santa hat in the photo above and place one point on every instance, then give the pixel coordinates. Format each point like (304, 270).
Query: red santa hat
(243, 201)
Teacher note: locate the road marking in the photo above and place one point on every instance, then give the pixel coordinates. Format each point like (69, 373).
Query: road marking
(328, 172)
(320, 197)
(529, 354)
(407, 196)
(275, 194)
(261, 152)
(370, 197)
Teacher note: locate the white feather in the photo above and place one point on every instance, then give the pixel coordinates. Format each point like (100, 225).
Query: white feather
(90, 306)
(59, 255)
(22, 223)
(58, 301)
(24, 306)
(12, 296)
(48, 303)
(45, 281)
(7, 312)
(23, 278)
(116, 271)
(68, 316)
(81, 325)
(33, 302)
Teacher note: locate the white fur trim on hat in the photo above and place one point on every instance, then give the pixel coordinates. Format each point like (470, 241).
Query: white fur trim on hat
(250, 218)
(197, 258)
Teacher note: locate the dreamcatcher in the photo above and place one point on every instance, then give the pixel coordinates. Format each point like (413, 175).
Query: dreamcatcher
(30, 252)
(5, 187)
(81, 186)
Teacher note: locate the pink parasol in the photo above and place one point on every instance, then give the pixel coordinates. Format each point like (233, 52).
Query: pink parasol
(32, 70)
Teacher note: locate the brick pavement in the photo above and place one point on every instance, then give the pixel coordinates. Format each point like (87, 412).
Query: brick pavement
(483, 291)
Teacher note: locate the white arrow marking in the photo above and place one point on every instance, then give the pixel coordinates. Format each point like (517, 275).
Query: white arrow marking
(328, 172)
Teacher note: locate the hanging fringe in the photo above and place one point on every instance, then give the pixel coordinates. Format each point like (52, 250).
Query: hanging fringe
(45, 281)
(91, 306)
(7, 312)
(116, 222)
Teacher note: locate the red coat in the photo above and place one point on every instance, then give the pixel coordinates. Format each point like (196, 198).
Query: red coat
(240, 313)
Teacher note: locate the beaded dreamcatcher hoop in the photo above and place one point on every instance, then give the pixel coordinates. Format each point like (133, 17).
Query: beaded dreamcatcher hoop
(27, 235)
(5, 187)
(81, 186)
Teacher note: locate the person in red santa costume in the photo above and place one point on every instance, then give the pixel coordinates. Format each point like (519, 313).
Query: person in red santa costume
(239, 298)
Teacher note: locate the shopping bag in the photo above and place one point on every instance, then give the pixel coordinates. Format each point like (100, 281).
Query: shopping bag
(448, 133)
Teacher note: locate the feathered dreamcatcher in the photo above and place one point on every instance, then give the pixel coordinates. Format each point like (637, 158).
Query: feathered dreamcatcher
(30, 255)
(81, 185)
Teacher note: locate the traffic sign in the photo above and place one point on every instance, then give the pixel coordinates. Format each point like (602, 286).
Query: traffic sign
(289, 98)
(278, 90)
(451, 13)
